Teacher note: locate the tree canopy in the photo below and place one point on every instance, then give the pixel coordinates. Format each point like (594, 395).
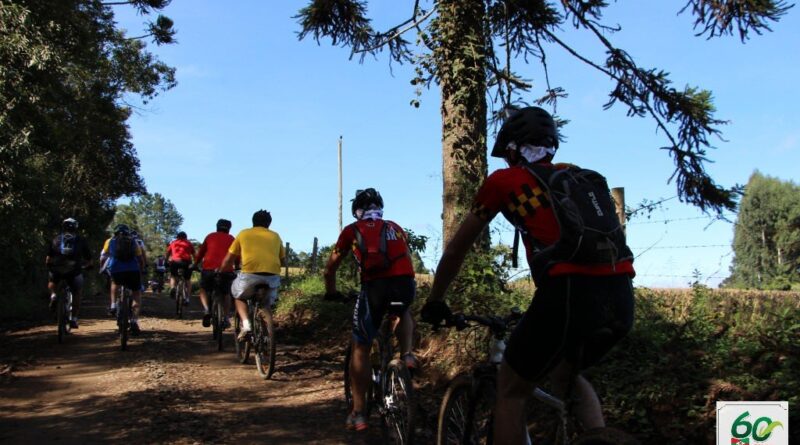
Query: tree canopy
(66, 72)
(154, 217)
(468, 48)
(766, 240)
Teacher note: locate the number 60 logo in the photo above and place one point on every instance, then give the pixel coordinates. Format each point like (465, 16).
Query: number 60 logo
(760, 429)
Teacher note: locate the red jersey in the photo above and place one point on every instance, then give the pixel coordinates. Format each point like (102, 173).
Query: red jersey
(395, 245)
(516, 193)
(213, 250)
(180, 250)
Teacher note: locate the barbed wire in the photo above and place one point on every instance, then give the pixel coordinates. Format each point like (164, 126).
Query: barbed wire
(697, 246)
(700, 276)
(665, 221)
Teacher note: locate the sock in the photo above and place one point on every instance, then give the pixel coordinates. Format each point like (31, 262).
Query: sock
(113, 305)
(246, 325)
(53, 297)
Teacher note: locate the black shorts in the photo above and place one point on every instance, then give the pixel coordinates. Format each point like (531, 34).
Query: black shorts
(393, 295)
(567, 312)
(175, 265)
(132, 279)
(74, 280)
(221, 285)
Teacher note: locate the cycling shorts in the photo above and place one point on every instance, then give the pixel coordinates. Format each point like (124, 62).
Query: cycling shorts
(175, 265)
(245, 285)
(131, 279)
(566, 313)
(73, 280)
(378, 297)
(221, 285)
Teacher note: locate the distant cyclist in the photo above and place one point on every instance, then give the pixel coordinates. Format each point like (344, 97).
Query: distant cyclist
(579, 291)
(211, 253)
(180, 253)
(67, 255)
(387, 275)
(160, 269)
(260, 251)
(140, 243)
(125, 261)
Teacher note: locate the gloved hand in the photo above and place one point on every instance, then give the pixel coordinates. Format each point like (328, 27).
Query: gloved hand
(333, 296)
(435, 312)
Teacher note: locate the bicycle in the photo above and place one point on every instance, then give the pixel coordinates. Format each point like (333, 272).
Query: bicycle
(390, 390)
(217, 311)
(465, 416)
(262, 338)
(180, 292)
(63, 309)
(124, 302)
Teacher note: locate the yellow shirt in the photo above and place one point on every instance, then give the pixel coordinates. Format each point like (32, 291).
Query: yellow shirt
(260, 249)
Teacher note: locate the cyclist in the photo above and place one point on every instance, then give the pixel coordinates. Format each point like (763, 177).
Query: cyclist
(261, 253)
(125, 261)
(140, 243)
(571, 301)
(213, 250)
(179, 254)
(387, 275)
(67, 255)
(160, 268)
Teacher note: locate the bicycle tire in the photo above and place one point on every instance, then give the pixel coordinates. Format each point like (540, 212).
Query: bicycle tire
(219, 312)
(61, 318)
(398, 418)
(242, 346)
(604, 436)
(179, 296)
(264, 339)
(123, 320)
(465, 416)
(215, 325)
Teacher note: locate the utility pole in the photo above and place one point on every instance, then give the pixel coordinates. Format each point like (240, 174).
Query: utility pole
(340, 184)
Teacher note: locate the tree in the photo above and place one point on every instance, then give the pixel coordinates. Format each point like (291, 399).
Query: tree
(154, 217)
(766, 239)
(65, 148)
(468, 47)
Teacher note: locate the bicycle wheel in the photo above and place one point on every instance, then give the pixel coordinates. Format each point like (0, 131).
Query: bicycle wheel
(179, 296)
(123, 320)
(604, 436)
(62, 317)
(465, 416)
(219, 314)
(215, 325)
(242, 346)
(398, 418)
(264, 339)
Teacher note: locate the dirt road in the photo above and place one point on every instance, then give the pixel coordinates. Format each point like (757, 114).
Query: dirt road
(170, 386)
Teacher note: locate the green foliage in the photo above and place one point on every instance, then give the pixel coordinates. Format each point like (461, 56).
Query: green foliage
(154, 217)
(65, 149)
(766, 240)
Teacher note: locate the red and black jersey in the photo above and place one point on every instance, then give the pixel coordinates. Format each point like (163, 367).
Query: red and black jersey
(396, 249)
(516, 194)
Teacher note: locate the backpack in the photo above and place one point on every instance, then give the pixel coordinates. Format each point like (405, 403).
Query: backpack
(590, 232)
(124, 249)
(66, 244)
(372, 246)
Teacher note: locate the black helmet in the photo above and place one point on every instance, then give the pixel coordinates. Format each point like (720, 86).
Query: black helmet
(365, 198)
(262, 218)
(223, 225)
(181, 235)
(121, 229)
(69, 225)
(527, 125)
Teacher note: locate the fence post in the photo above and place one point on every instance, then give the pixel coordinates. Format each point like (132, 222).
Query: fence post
(314, 256)
(287, 260)
(618, 194)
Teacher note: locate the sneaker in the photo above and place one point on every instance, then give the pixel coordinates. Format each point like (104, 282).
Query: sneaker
(135, 331)
(244, 333)
(53, 302)
(206, 320)
(73, 324)
(356, 422)
(112, 311)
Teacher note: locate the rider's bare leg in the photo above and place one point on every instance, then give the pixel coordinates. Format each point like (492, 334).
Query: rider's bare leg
(509, 408)
(359, 375)
(586, 404)
(405, 332)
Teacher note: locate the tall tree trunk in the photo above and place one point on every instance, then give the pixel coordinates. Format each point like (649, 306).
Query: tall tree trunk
(461, 63)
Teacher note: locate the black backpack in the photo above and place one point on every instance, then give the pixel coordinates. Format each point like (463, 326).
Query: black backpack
(124, 249)
(587, 219)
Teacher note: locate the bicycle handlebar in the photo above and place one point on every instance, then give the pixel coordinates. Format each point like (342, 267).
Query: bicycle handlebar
(498, 325)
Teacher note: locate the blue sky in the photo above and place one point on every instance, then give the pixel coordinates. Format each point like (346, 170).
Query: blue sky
(256, 116)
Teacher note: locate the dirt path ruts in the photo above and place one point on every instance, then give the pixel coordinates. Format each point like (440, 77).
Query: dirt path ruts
(170, 386)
